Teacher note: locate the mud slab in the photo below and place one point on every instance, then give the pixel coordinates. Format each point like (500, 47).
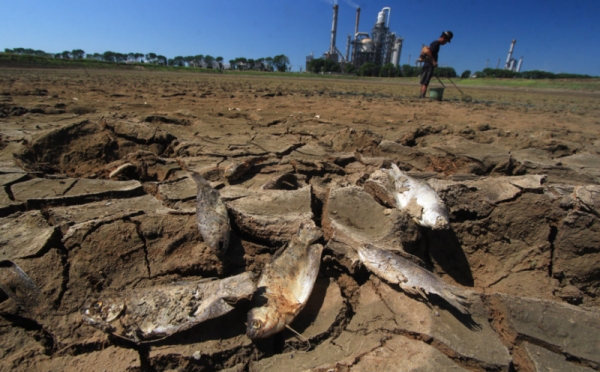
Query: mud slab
(96, 198)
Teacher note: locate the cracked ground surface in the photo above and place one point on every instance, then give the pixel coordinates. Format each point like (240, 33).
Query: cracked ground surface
(96, 199)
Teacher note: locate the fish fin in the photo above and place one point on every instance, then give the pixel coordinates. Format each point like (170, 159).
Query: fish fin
(279, 252)
(396, 170)
(200, 181)
(415, 291)
(302, 338)
(457, 300)
(401, 278)
(295, 308)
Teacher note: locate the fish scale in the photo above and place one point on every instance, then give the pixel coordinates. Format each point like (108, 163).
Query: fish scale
(287, 283)
(156, 312)
(408, 275)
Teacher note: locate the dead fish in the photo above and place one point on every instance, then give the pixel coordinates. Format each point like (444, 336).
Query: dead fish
(411, 277)
(419, 200)
(18, 286)
(238, 169)
(156, 312)
(211, 215)
(286, 283)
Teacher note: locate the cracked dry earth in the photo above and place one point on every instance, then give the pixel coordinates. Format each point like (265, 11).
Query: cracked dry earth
(95, 197)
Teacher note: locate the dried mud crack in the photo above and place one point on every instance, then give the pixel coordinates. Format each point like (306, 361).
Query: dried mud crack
(96, 198)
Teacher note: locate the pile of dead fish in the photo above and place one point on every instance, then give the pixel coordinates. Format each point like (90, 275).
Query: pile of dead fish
(284, 286)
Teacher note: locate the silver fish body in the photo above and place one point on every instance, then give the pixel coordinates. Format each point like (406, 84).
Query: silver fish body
(419, 200)
(211, 215)
(156, 312)
(411, 277)
(286, 283)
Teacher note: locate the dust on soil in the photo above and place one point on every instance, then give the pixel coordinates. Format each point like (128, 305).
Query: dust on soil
(511, 233)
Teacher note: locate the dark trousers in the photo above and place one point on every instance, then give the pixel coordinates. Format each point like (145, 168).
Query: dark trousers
(427, 74)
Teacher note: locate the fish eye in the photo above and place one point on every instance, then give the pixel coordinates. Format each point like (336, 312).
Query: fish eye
(256, 324)
(97, 305)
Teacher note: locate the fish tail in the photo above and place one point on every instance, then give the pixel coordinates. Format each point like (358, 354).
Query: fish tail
(395, 171)
(200, 181)
(456, 299)
(16, 284)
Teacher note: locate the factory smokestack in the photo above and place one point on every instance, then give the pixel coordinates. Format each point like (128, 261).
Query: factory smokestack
(357, 19)
(519, 65)
(510, 52)
(333, 30)
(347, 48)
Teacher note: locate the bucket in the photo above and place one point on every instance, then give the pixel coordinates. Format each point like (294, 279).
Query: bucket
(436, 93)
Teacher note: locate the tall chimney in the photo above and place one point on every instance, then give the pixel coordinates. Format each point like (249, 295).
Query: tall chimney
(510, 52)
(357, 19)
(347, 48)
(333, 29)
(519, 65)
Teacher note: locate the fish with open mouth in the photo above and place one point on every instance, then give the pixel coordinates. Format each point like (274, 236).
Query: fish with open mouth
(286, 283)
(419, 200)
(142, 315)
(411, 277)
(211, 215)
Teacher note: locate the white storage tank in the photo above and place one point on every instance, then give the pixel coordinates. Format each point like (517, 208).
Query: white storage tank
(381, 17)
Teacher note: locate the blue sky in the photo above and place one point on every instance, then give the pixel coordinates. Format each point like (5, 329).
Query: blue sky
(552, 35)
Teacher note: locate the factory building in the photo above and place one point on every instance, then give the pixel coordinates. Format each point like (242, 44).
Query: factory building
(380, 47)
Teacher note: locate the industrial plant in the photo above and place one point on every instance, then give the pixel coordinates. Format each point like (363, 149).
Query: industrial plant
(380, 47)
(511, 63)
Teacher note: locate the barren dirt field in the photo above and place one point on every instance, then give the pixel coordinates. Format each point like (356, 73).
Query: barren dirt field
(97, 201)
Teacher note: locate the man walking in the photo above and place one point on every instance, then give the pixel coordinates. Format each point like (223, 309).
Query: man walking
(431, 59)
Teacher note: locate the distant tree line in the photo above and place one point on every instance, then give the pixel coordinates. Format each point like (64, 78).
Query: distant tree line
(533, 74)
(321, 65)
(279, 62)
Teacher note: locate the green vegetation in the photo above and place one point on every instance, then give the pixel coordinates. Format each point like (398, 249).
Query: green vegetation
(534, 74)
(280, 62)
(319, 65)
(262, 66)
(369, 69)
(412, 71)
(389, 70)
(587, 84)
(31, 61)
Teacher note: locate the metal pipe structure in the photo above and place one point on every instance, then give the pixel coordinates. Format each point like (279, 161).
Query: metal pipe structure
(519, 65)
(389, 14)
(357, 19)
(397, 51)
(381, 17)
(510, 52)
(333, 29)
(348, 47)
